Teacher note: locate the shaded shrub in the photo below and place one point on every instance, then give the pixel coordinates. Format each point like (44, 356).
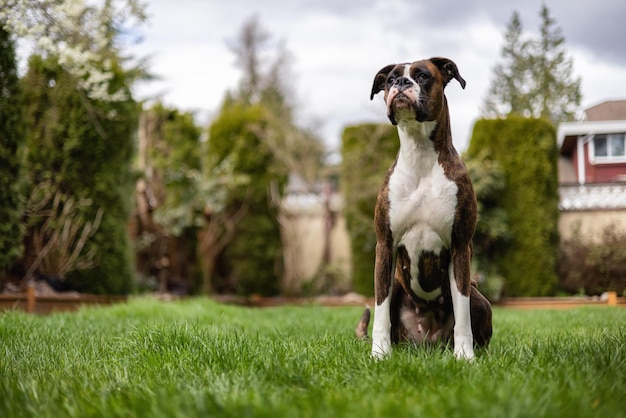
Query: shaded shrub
(367, 151)
(251, 261)
(11, 141)
(594, 266)
(85, 149)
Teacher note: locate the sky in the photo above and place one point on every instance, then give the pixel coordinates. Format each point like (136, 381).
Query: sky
(337, 46)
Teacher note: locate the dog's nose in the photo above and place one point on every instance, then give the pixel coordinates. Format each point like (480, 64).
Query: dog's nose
(403, 82)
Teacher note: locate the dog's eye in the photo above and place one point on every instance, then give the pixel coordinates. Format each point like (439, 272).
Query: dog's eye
(423, 77)
(391, 80)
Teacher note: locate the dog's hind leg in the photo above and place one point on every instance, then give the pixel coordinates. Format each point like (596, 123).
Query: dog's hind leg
(361, 328)
(480, 311)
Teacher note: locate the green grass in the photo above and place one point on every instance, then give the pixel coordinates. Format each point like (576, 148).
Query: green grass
(196, 358)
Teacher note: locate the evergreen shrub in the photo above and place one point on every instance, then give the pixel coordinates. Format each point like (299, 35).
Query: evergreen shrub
(252, 261)
(526, 150)
(367, 150)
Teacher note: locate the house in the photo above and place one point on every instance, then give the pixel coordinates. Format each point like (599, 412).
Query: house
(592, 170)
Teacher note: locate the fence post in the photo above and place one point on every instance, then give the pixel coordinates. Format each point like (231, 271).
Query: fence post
(611, 299)
(30, 298)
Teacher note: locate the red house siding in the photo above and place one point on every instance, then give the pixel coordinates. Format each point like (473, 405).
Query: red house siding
(601, 172)
(607, 173)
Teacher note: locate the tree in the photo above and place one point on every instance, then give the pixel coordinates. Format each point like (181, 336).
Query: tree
(556, 93)
(265, 80)
(169, 196)
(81, 120)
(535, 78)
(11, 140)
(510, 85)
(78, 33)
(250, 260)
(257, 136)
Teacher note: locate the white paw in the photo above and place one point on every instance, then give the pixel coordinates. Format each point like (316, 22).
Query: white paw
(381, 349)
(464, 349)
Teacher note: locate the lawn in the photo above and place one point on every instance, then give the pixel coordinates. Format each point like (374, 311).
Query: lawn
(197, 358)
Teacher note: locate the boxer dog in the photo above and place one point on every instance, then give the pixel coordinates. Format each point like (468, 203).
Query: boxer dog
(425, 218)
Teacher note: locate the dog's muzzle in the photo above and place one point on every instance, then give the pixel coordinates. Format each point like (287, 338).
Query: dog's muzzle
(402, 96)
(404, 86)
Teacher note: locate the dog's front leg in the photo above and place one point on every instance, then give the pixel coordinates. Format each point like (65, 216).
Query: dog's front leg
(460, 291)
(383, 289)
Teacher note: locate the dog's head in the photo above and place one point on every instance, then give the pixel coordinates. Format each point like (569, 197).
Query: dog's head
(415, 90)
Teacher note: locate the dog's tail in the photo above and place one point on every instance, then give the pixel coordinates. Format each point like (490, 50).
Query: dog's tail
(361, 328)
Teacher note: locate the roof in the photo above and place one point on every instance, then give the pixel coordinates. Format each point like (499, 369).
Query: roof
(572, 130)
(608, 110)
(604, 118)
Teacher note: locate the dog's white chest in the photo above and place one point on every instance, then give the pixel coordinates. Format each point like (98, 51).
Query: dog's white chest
(422, 203)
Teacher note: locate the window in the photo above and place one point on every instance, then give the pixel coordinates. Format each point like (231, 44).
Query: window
(609, 147)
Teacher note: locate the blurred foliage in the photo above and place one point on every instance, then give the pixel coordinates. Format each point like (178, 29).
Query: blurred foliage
(257, 136)
(11, 141)
(60, 232)
(81, 34)
(84, 148)
(526, 151)
(190, 195)
(594, 266)
(492, 228)
(169, 200)
(367, 152)
(175, 152)
(251, 261)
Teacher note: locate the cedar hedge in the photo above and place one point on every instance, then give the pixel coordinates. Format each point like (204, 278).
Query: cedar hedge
(85, 149)
(527, 152)
(367, 150)
(11, 140)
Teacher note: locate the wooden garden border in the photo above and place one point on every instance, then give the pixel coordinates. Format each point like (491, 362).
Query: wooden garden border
(32, 303)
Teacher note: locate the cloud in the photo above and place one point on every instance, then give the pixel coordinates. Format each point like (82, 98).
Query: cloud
(338, 46)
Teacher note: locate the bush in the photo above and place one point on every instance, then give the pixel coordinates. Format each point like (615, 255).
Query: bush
(85, 150)
(251, 262)
(11, 139)
(492, 229)
(527, 152)
(594, 265)
(367, 151)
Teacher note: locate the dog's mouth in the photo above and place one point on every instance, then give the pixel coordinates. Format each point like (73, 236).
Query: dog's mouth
(395, 93)
(401, 101)
(401, 107)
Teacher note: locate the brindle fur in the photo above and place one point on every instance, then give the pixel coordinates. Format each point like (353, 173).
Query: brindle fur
(414, 319)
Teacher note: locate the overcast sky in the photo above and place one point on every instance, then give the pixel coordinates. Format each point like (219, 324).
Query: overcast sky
(337, 46)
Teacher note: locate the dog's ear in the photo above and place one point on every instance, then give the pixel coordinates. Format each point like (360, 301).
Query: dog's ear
(448, 70)
(380, 79)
